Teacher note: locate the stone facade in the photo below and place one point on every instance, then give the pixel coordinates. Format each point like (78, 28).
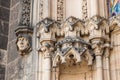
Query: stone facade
(61, 40)
(4, 28)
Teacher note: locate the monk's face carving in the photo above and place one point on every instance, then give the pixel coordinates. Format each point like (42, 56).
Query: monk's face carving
(23, 44)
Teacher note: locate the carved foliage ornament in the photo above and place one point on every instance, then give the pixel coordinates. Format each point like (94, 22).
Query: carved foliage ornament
(47, 49)
(25, 13)
(97, 27)
(69, 46)
(60, 10)
(41, 9)
(84, 9)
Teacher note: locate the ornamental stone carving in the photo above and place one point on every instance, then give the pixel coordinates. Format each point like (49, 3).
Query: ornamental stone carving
(84, 9)
(60, 10)
(73, 27)
(114, 23)
(73, 43)
(97, 27)
(46, 29)
(25, 13)
(72, 49)
(47, 48)
(23, 44)
(41, 9)
(46, 33)
(24, 40)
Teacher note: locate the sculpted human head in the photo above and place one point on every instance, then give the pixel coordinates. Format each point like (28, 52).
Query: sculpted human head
(23, 44)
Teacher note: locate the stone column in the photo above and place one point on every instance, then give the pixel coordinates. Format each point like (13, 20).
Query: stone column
(93, 8)
(47, 68)
(47, 49)
(107, 54)
(98, 50)
(46, 8)
(99, 68)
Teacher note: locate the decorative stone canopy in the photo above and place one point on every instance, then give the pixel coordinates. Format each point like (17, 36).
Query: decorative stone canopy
(67, 39)
(73, 25)
(47, 29)
(72, 49)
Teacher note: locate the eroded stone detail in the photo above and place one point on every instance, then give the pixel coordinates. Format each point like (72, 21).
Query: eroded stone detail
(60, 10)
(72, 49)
(23, 44)
(97, 27)
(46, 32)
(24, 40)
(71, 45)
(73, 27)
(47, 48)
(114, 22)
(84, 9)
(41, 9)
(71, 42)
(25, 13)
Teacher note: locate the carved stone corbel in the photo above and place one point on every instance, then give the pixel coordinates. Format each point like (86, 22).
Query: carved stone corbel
(24, 39)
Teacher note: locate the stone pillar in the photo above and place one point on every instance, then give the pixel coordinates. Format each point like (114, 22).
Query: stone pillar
(47, 49)
(93, 8)
(47, 68)
(98, 50)
(46, 8)
(107, 55)
(99, 68)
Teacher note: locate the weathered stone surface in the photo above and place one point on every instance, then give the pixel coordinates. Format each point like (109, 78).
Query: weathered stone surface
(14, 2)
(14, 13)
(4, 14)
(12, 35)
(12, 54)
(4, 27)
(5, 3)
(2, 72)
(3, 57)
(71, 62)
(3, 42)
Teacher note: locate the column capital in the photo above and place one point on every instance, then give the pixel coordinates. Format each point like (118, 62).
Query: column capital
(47, 48)
(98, 46)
